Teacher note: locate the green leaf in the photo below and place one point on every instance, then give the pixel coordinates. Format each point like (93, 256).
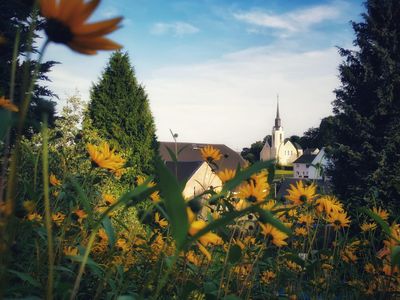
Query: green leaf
(84, 200)
(395, 256)
(267, 217)
(26, 277)
(235, 254)
(232, 297)
(109, 231)
(174, 203)
(189, 287)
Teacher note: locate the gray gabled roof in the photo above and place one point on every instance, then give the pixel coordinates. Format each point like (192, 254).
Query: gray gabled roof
(190, 152)
(305, 159)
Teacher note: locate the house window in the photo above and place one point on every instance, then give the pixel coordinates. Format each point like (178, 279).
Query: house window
(307, 165)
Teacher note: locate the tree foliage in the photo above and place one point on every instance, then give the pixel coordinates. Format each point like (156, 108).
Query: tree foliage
(366, 155)
(119, 110)
(16, 15)
(252, 154)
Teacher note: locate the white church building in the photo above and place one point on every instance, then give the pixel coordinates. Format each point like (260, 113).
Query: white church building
(282, 150)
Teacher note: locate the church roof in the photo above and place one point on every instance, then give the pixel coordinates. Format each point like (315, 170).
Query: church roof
(305, 159)
(185, 169)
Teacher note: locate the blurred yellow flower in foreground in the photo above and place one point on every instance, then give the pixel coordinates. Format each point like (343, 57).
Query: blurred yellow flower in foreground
(301, 194)
(339, 220)
(106, 158)
(226, 175)
(252, 192)
(278, 237)
(54, 181)
(206, 239)
(65, 24)
(210, 154)
(7, 104)
(81, 214)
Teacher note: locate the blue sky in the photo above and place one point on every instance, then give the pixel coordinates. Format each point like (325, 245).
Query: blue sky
(212, 68)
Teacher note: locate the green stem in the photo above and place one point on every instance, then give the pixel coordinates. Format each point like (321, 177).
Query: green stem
(45, 166)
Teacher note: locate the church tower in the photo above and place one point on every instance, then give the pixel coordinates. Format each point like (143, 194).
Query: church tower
(278, 135)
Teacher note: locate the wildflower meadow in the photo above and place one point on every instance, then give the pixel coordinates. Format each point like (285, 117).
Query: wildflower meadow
(81, 219)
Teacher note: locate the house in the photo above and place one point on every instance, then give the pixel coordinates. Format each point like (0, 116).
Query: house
(192, 170)
(310, 165)
(282, 150)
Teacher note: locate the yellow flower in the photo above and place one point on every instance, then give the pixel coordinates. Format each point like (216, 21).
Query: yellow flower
(226, 175)
(278, 237)
(58, 218)
(252, 192)
(123, 245)
(193, 258)
(338, 220)
(328, 204)
(65, 24)
(206, 239)
(162, 222)
(383, 213)
(141, 179)
(34, 217)
(155, 197)
(300, 231)
(293, 266)
(210, 154)
(106, 158)
(394, 239)
(8, 105)
(54, 181)
(301, 194)
(261, 179)
(70, 251)
(327, 267)
(369, 268)
(306, 219)
(267, 277)
(29, 205)
(269, 205)
(81, 215)
(368, 226)
(108, 199)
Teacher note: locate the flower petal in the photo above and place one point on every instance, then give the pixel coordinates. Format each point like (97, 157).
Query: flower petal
(48, 8)
(85, 12)
(96, 29)
(99, 43)
(69, 8)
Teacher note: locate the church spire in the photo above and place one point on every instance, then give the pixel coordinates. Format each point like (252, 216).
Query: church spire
(277, 118)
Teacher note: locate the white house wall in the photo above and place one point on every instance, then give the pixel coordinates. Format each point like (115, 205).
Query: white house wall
(201, 180)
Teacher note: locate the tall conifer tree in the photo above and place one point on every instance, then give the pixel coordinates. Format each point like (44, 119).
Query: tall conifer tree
(120, 112)
(366, 156)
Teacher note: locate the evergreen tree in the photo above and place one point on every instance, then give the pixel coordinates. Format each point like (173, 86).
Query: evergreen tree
(366, 156)
(120, 112)
(17, 15)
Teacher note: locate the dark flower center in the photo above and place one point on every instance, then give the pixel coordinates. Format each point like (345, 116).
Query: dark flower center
(58, 32)
(252, 199)
(303, 198)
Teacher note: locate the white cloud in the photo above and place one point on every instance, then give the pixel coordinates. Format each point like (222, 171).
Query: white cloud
(176, 28)
(233, 100)
(294, 21)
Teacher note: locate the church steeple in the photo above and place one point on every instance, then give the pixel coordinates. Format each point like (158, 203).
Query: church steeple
(277, 118)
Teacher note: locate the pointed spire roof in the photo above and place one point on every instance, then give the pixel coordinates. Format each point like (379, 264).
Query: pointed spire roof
(277, 118)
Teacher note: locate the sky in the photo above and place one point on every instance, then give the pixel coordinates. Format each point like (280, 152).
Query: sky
(213, 68)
